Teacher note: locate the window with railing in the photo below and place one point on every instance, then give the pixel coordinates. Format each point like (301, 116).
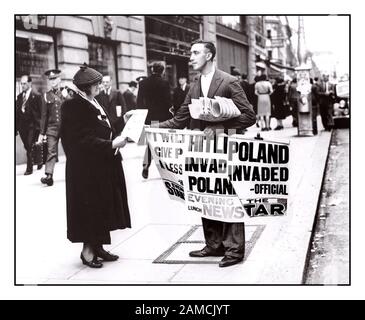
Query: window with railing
(259, 25)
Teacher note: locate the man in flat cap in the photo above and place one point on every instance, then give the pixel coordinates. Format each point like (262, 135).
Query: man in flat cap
(51, 122)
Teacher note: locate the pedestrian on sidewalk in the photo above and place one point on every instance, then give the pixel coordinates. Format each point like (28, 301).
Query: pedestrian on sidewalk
(252, 98)
(222, 238)
(154, 95)
(28, 118)
(245, 85)
(293, 96)
(180, 93)
(51, 122)
(113, 102)
(280, 108)
(96, 193)
(130, 97)
(326, 94)
(263, 90)
(315, 100)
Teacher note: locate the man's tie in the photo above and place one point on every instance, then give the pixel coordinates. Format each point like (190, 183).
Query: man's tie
(24, 101)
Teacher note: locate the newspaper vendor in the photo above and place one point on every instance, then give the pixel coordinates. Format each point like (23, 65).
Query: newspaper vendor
(222, 238)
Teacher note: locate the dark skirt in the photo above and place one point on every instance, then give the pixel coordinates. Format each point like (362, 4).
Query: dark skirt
(104, 209)
(281, 111)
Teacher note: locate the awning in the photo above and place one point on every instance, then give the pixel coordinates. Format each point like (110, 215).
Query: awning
(261, 65)
(272, 67)
(280, 66)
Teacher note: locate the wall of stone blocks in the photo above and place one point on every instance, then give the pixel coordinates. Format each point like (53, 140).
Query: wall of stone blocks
(72, 44)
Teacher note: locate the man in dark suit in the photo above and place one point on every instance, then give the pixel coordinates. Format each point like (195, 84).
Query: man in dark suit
(51, 122)
(154, 95)
(326, 94)
(112, 100)
(222, 238)
(180, 93)
(315, 101)
(293, 96)
(28, 117)
(129, 97)
(245, 85)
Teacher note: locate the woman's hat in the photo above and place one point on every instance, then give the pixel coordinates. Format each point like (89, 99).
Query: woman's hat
(86, 75)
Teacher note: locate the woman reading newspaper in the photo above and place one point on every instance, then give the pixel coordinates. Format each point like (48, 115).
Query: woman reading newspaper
(95, 187)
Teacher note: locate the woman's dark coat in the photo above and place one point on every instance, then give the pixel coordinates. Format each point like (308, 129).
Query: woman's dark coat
(280, 108)
(95, 187)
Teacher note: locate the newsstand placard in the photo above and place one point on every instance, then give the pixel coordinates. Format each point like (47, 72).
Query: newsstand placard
(226, 178)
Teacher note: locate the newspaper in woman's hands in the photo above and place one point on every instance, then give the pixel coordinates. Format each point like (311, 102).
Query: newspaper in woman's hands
(213, 110)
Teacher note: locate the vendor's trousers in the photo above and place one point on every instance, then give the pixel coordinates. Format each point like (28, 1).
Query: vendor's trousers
(226, 236)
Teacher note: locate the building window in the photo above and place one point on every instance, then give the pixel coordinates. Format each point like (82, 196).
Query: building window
(269, 54)
(259, 25)
(171, 34)
(102, 57)
(34, 54)
(232, 22)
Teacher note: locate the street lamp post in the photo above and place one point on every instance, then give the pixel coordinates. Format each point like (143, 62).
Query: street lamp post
(305, 127)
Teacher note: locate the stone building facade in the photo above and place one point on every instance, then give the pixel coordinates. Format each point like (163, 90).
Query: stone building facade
(125, 46)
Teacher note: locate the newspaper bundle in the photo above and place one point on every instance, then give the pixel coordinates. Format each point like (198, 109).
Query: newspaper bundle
(213, 110)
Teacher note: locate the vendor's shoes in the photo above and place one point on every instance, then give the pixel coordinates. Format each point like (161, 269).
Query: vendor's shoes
(206, 252)
(229, 261)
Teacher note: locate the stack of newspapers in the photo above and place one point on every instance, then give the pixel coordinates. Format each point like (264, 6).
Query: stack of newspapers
(213, 110)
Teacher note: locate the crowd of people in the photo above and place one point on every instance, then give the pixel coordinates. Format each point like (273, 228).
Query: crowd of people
(279, 99)
(38, 116)
(88, 117)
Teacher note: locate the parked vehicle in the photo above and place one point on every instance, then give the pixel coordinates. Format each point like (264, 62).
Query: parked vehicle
(341, 107)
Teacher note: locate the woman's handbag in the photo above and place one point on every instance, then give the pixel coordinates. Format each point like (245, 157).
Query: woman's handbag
(39, 153)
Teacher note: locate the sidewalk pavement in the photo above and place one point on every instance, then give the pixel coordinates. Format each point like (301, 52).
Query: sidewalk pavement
(155, 250)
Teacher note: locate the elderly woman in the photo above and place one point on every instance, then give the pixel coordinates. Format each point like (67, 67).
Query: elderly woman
(95, 186)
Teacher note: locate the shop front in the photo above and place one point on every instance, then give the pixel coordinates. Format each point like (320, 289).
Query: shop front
(34, 54)
(168, 39)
